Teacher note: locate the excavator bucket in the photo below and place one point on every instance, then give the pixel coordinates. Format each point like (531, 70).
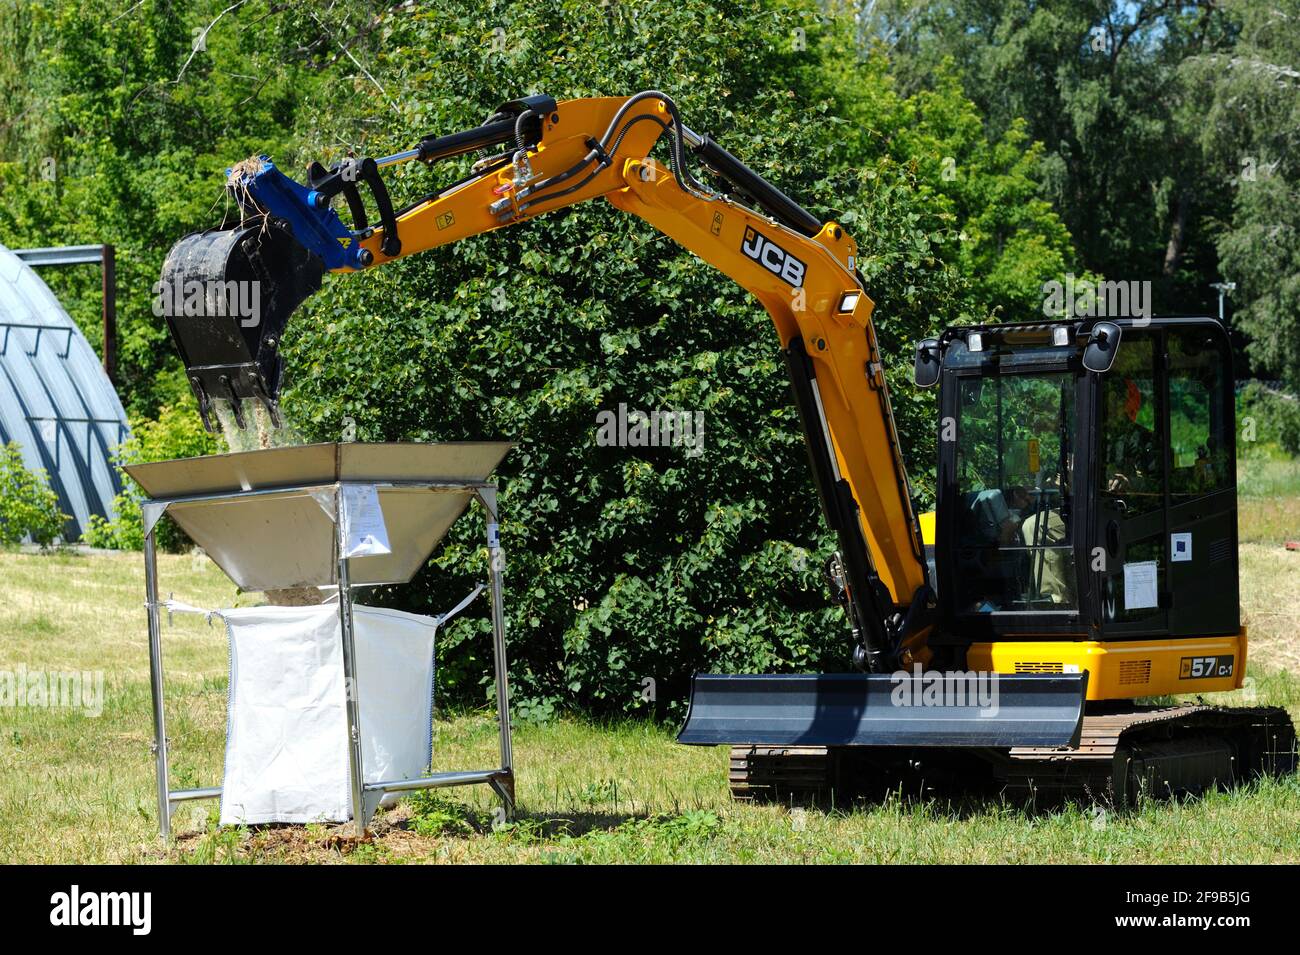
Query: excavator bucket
(227, 295)
(852, 709)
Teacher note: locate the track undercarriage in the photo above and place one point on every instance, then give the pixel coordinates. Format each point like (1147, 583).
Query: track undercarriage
(1125, 753)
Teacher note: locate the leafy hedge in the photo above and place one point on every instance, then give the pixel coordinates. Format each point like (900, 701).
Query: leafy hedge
(29, 509)
(1268, 422)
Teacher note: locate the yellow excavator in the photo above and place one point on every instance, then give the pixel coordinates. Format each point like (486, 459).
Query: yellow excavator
(1083, 551)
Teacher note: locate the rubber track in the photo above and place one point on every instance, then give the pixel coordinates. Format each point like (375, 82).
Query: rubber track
(1263, 739)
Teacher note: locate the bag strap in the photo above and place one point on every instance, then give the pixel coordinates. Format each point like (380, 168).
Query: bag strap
(460, 606)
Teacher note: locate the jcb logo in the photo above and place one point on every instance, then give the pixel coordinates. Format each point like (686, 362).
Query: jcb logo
(1204, 668)
(772, 257)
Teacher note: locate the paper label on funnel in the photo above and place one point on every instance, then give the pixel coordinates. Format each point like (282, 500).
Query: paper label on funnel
(364, 532)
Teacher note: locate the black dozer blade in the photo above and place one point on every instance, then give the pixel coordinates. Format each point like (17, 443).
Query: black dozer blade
(856, 709)
(227, 295)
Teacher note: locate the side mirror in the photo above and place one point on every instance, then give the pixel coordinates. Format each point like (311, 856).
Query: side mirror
(928, 362)
(1103, 343)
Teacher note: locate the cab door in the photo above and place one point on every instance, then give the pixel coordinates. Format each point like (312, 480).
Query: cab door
(1202, 481)
(1129, 555)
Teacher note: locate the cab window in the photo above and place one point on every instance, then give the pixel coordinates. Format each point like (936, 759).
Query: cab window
(1014, 458)
(1200, 448)
(1132, 451)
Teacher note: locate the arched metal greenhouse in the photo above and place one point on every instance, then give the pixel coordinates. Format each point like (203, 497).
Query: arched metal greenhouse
(56, 401)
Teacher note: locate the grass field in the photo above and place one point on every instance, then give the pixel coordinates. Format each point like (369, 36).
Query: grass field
(79, 788)
(1268, 507)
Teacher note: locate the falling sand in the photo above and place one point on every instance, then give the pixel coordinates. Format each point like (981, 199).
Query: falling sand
(259, 431)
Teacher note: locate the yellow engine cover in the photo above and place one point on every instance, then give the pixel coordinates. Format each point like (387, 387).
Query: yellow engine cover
(1124, 669)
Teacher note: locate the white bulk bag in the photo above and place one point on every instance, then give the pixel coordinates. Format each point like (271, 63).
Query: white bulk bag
(287, 732)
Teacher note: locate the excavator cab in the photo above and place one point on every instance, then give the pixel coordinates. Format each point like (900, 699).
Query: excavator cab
(1079, 509)
(1085, 530)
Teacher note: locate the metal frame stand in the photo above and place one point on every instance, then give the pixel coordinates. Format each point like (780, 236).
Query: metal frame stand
(365, 797)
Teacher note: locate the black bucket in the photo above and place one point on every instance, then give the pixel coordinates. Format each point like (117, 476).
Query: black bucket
(227, 295)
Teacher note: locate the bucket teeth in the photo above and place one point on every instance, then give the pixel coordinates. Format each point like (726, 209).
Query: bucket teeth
(205, 403)
(236, 405)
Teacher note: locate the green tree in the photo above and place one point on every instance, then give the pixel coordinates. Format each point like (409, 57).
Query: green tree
(626, 565)
(121, 123)
(629, 565)
(1099, 83)
(1249, 106)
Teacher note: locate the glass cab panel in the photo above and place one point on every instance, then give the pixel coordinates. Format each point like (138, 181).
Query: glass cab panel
(1015, 513)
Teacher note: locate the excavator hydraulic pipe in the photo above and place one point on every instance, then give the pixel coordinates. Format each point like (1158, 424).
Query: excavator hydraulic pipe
(499, 129)
(467, 141)
(769, 198)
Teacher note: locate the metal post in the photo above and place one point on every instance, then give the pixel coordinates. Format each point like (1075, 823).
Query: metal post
(356, 768)
(496, 560)
(1223, 288)
(156, 683)
(109, 282)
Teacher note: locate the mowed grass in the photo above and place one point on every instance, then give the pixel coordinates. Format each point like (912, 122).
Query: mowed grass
(79, 788)
(1268, 500)
(1268, 516)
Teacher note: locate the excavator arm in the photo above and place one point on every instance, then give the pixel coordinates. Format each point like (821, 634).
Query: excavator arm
(558, 155)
